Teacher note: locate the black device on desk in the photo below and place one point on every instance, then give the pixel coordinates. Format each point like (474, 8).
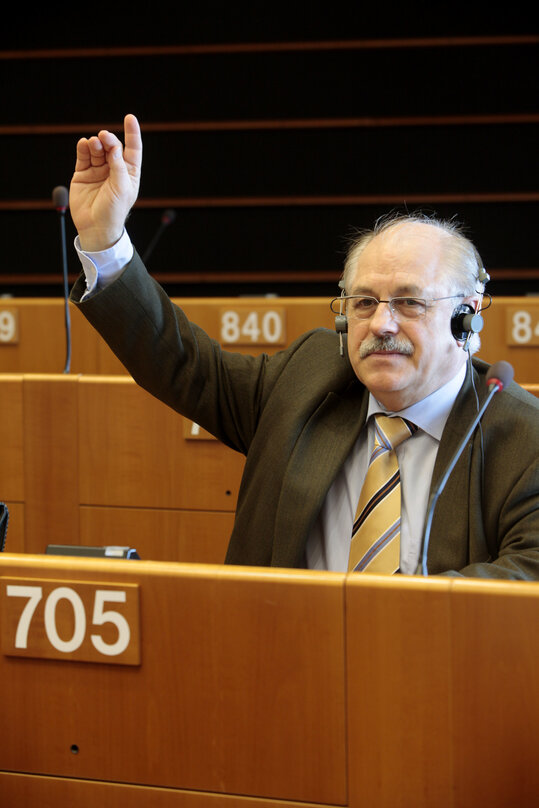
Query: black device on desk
(110, 551)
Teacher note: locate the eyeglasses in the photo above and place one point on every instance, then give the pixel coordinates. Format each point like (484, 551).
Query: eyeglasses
(361, 307)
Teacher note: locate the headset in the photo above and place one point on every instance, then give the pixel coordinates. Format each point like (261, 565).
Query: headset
(341, 320)
(465, 320)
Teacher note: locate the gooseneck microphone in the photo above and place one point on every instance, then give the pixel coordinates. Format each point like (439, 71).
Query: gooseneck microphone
(167, 217)
(60, 200)
(499, 376)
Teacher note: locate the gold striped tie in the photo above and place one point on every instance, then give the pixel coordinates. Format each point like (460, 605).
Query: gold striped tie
(375, 545)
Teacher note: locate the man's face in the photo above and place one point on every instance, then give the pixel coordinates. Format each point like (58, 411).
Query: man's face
(403, 361)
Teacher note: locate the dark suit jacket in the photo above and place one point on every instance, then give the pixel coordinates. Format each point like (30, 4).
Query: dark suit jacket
(296, 415)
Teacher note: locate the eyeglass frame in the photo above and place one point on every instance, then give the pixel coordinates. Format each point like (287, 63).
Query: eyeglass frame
(395, 315)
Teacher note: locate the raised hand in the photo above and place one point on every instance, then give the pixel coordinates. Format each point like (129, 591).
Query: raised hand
(105, 185)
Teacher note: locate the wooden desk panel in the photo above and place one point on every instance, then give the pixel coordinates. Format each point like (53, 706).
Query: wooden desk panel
(241, 689)
(494, 339)
(133, 452)
(159, 534)
(51, 492)
(495, 696)
(87, 457)
(399, 708)
(443, 699)
(42, 344)
(11, 438)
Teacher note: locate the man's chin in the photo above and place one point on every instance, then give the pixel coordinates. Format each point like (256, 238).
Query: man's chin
(387, 374)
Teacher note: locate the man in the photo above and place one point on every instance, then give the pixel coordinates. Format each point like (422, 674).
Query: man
(303, 417)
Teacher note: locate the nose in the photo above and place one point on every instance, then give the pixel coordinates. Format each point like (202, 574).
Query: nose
(383, 321)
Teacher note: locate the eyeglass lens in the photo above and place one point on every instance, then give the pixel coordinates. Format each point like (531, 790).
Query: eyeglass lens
(409, 308)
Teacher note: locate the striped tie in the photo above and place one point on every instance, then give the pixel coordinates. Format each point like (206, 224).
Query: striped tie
(375, 545)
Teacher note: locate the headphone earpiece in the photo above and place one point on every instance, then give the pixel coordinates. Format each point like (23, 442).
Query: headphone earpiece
(465, 321)
(482, 275)
(341, 324)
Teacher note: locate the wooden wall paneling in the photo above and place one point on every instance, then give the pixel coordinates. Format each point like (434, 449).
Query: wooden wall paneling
(160, 534)
(399, 688)
(240, 690)
(50, 460)
(495, 698)
(133, 452)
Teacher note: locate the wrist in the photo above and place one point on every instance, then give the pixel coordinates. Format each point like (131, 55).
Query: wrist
(98, 241)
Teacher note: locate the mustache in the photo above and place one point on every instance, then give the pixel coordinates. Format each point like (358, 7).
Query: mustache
(389, 343)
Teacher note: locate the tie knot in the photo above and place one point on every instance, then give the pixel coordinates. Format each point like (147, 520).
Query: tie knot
(391, 431)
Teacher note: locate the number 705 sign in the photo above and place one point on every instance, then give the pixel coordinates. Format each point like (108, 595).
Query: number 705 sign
(71, 620)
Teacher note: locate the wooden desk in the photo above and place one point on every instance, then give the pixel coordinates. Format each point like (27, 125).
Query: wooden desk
(262, 688)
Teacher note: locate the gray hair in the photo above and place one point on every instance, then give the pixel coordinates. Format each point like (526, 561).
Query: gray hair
(465, 267)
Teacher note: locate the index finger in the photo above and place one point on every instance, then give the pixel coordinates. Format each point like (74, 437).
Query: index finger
(83, 154)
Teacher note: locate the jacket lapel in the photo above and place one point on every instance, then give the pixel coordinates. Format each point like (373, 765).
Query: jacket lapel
(319, 454)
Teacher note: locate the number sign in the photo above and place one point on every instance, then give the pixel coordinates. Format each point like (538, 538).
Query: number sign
(9, 326)
(252, 326)
(522, 325)
(71, 620)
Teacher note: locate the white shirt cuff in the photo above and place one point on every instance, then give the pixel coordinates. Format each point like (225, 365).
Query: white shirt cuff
(101, 268)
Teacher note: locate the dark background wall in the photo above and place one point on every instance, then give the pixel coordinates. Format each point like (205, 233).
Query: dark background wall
(272, 134)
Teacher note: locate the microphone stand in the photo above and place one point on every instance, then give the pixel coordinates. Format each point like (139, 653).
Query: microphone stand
(167, 218)
(67, 318)
(60, 198)
(494, 387)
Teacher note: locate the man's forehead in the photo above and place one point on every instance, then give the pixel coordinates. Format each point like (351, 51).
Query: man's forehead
(410, 255)
(366, 286)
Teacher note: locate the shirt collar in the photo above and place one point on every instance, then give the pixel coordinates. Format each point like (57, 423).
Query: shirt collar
(431, 413)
